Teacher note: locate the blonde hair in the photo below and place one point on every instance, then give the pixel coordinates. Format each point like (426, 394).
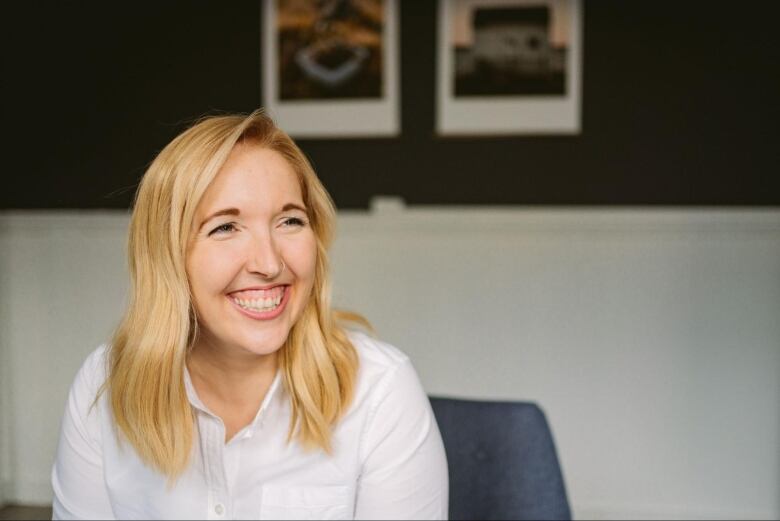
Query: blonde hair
(150, 346)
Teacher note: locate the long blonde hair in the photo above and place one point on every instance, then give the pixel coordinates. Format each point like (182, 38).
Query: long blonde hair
(150, 346)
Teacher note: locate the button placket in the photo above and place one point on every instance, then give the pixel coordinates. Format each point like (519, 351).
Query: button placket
(218, 496)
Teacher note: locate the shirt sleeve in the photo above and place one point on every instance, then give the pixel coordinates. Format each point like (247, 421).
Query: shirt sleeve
(77, 475)
(404, 466)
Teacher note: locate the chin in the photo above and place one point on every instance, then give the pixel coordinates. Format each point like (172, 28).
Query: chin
(264, 344)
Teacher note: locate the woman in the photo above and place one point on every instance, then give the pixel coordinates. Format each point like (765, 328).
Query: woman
(231, 389)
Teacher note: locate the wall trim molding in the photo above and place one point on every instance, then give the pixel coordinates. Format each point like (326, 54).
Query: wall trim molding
(47, 220)
(454, 220)
(622, 510)
(39, 493)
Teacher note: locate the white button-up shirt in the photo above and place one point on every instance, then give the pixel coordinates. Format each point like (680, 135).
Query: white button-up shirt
(388, 459)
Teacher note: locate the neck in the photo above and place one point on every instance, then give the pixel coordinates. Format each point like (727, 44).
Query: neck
(238, 378)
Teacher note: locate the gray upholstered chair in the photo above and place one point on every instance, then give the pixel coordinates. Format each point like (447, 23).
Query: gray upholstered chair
(502, 460)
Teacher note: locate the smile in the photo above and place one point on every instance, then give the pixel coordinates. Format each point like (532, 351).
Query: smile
(261, 304)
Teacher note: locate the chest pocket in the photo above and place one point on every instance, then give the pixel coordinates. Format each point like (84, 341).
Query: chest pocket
(328, 502)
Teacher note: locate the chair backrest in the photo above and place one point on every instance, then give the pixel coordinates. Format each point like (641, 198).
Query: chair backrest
(502, 460)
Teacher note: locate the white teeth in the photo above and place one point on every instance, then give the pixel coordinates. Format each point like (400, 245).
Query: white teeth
(263, 305)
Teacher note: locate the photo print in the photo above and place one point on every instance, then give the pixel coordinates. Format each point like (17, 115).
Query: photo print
(330, 67)
(509, 67)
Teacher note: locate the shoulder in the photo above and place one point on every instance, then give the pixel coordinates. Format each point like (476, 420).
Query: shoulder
(396, 412)
(378, 359)
(375, 354)
(384, 370)
(95, 365)
(82, 420)
(91, 375)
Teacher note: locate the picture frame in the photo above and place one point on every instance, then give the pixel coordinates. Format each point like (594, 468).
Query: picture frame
(509, 67)
(331, 69)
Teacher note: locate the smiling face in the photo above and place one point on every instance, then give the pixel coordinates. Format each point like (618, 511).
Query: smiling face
(252, 254)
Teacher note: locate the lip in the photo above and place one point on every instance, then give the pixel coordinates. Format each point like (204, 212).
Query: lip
(264, 315)
(258, 288)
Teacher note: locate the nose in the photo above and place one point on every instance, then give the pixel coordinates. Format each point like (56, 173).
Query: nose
(264, 257)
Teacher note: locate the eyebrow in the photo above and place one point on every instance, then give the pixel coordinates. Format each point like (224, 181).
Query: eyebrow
(226, 211)
(235, 211)
(293, 206)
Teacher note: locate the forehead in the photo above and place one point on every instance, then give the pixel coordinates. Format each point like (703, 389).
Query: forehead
(253, 178)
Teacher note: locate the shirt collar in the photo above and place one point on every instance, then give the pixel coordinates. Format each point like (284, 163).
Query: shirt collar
(249, 430)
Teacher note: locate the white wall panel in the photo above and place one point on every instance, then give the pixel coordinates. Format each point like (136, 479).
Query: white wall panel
(649, 336)
(6, 472)
(66, 282)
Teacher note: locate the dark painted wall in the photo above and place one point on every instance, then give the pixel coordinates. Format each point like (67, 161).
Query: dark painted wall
(680, 107)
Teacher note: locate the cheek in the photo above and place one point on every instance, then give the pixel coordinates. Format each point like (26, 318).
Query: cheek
(302, 255)
(211, 269)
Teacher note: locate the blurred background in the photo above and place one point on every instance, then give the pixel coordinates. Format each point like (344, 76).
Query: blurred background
(626, 278)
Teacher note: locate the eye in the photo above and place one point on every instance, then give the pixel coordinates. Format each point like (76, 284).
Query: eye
(294, 221)
(223, 228)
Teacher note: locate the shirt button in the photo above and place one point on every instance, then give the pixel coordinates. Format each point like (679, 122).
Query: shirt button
(219, 509)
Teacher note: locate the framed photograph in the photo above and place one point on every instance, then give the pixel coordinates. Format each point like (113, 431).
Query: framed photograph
(330, 67)
(509, 67)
